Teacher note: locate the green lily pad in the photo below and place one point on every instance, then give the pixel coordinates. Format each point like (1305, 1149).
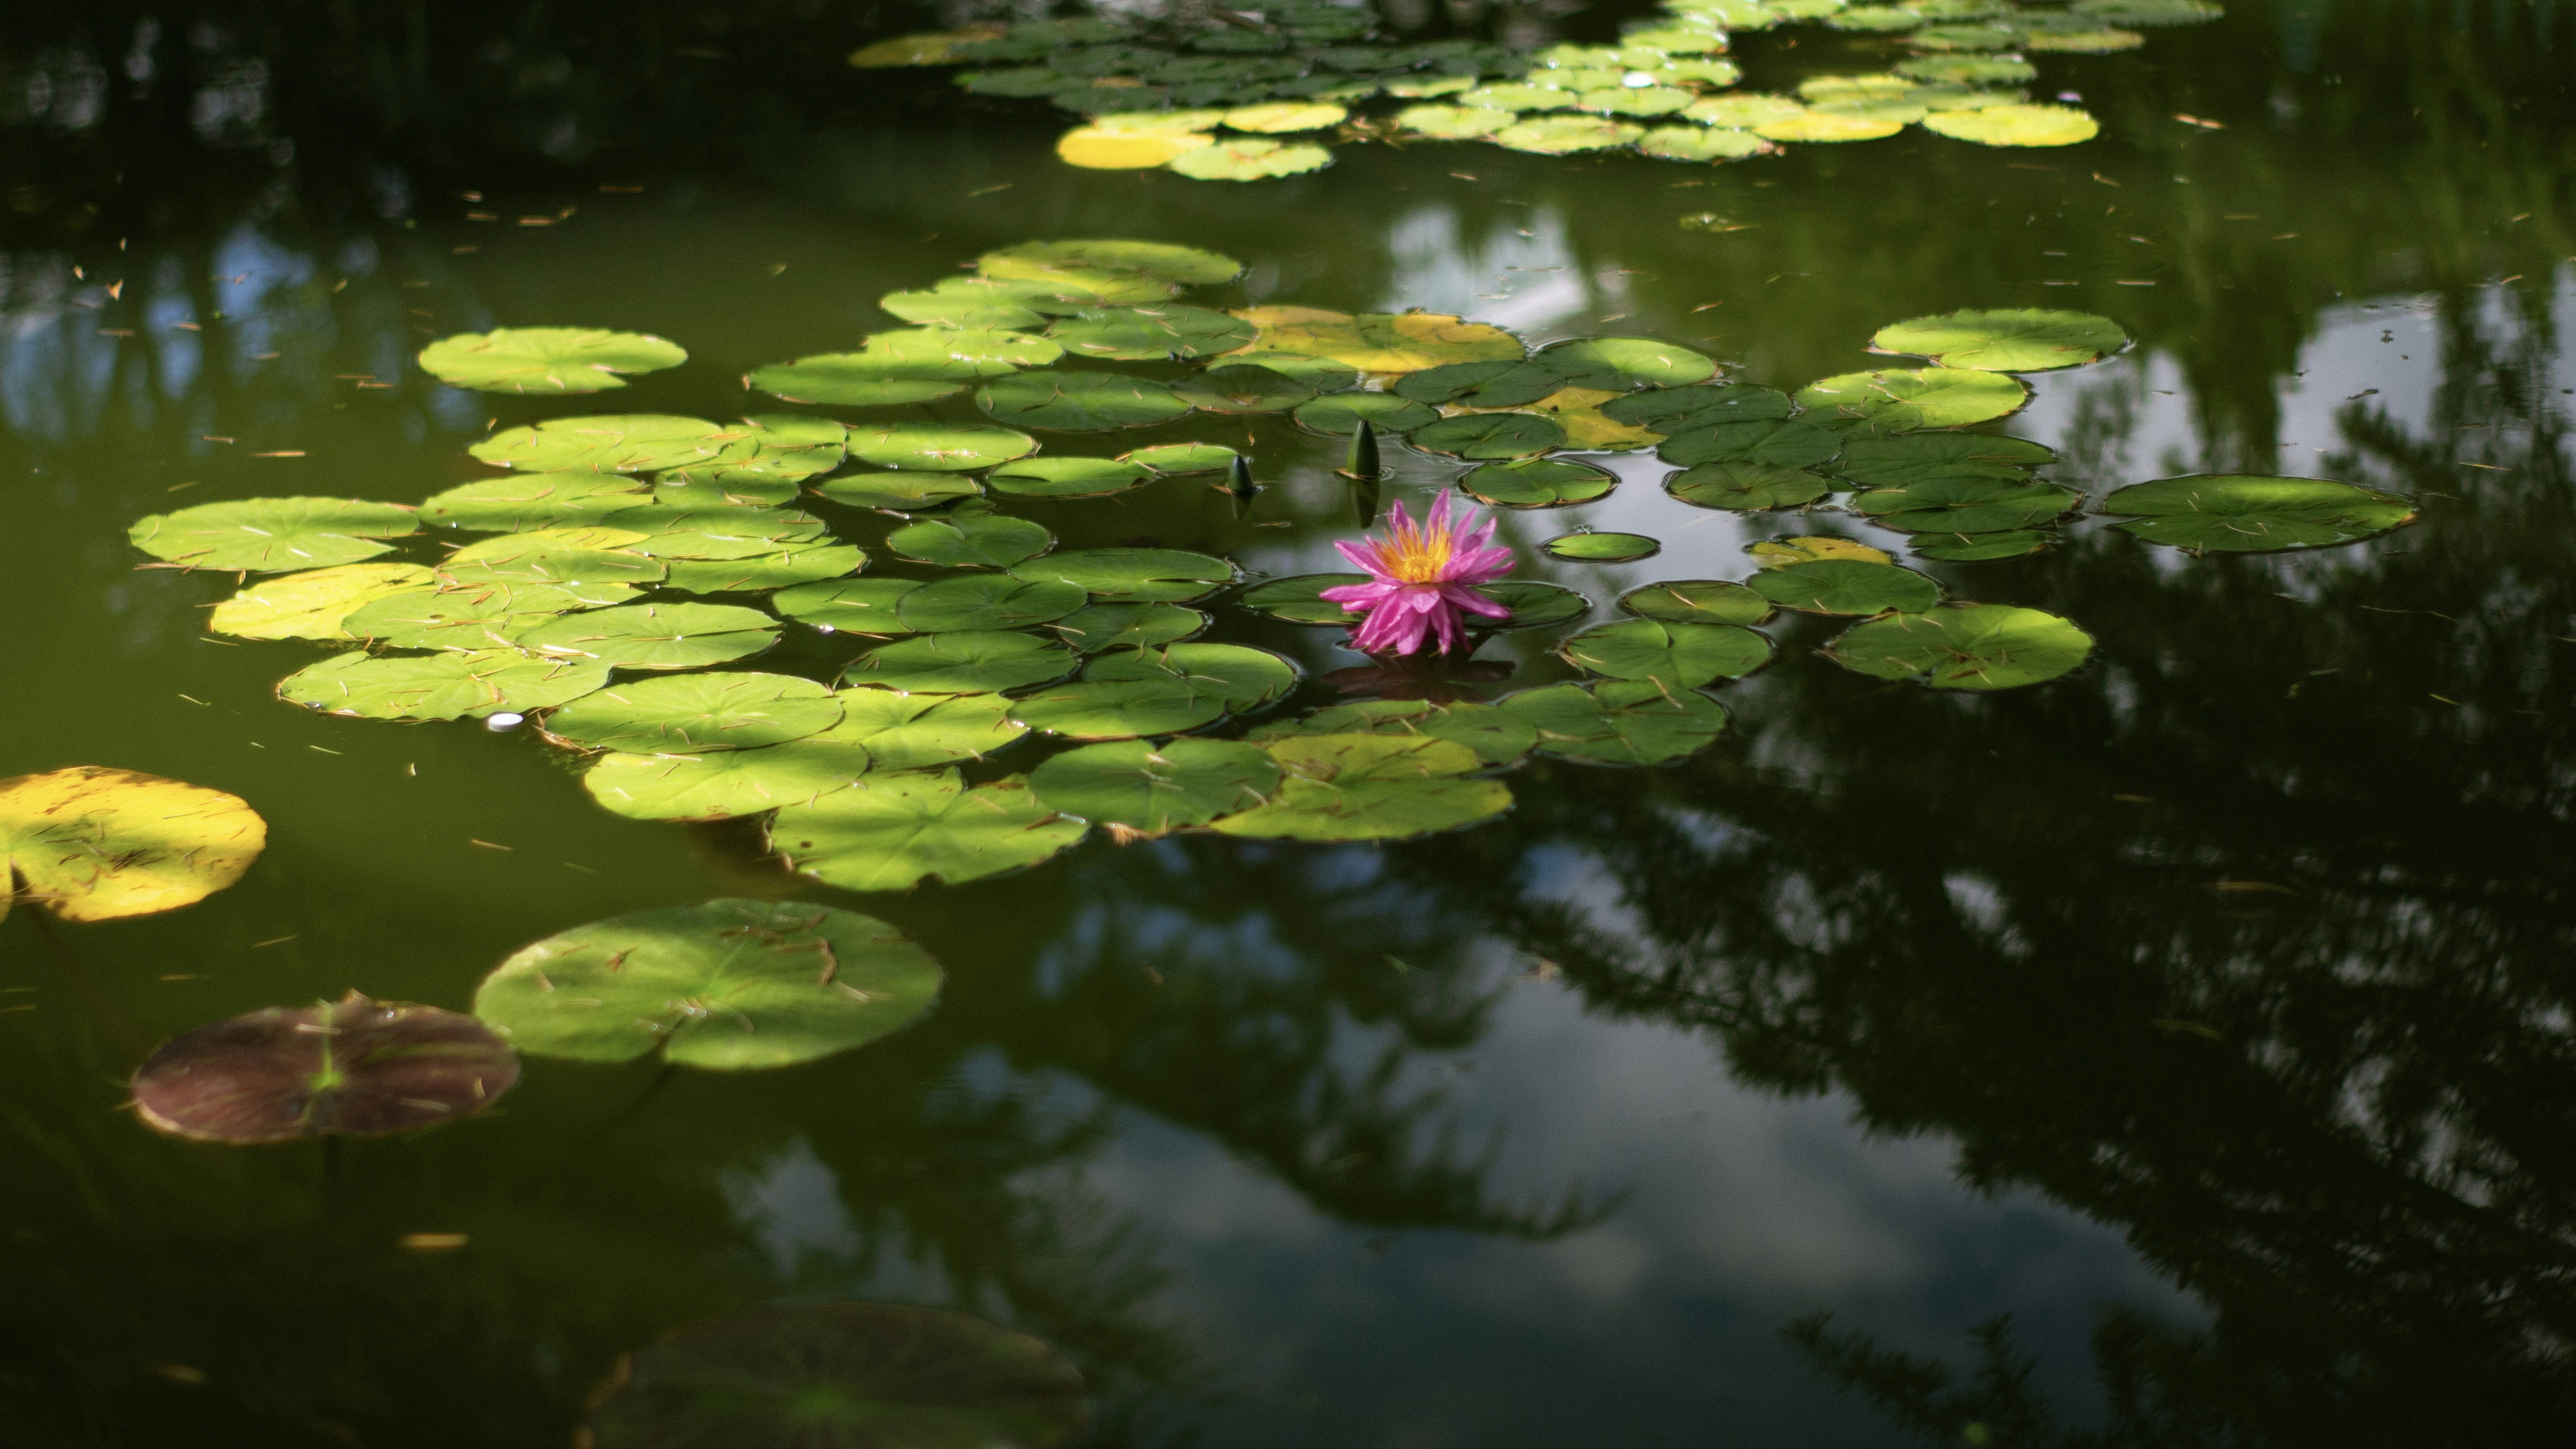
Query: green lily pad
(1703, 143)
(1679, 409)
(964, 352)
(1055, 261)
(1964, 37)
(90, 843)
(1619, 722)
(1603, 547)
(1565, 135)
(723, 784)
(912, 731)
(1617, 364)
(972, 540)
(593, 555)
(314, 604)
(546, 359)
(851, 379)
(1293, 338)
(1780, 443)
(938, 447)
(1150, 334)
(1368, 787)
(1678, 656)
(1696, 601)
(983, 302)
(1078, 401)
(1534, 605)
(439, 686)
(1965, 646)
(1626, 100)
(1742, 112)
(1489, 435)
(985, 602)
(1171, 458)
(1497, 736)
(534, 500)
(1966, 505)
(1846, 586)
(899, 492)
(1341, 413)
(971, 662)
(1981, 547)
(1874, 19)
(2242, 513)
(1243, 677)
(2013, 339)
(2148, 12)
(729, 985)
(1519, 96)
(1244, 158)
(2104, 41)
(1155, 788)
(714, 530)
(1128, 626)
(891, 832)
(1066, 477)
(1909, 458)
(1499, 383)
(2015, 125)
(1148, 575)
(1927, 397)
(608, 443)
(1242, 388)
(1297, 599)
(841, 1376)
(907, 366)
(792, 564)
(847, 606)
(487, 617)
(272, 535)
(356, 1067)
(1119, 709)
(1538, 483)
(687, 713)
(1746, 487)
(655, 636)
(1454, 123)
(1779, 553)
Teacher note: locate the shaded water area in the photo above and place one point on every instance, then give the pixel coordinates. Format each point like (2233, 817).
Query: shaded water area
(2178, 1051)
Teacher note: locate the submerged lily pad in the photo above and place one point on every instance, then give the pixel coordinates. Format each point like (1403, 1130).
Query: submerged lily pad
(972, 540)
(1780, 443)
(546, 359)
(1066, 477)
(1375, 342)
(1155, 788)
(1746, 487)
(1678, 656)
(271, 535)
(1697, 601)
(891, 832)
(2242, 513)
(354, 1067)
(938, 447)
(966, 662)
(1152, 575)
(1238, 158)
(1078, 401)
(728, 985)
(1538, 483)
(986, 601)
(1340, 414)
(655, 635)
(2015, 125)
(723, 784)
(1489, 435)
(842, 1376)
(91, 843)
(1619, 722)
(461, 683)
(1965, 646)
(1150, 334)
(315, 604)
(1617, 364)
(1368, 787)
(2013, 339)
(1846, 586)
(1922, 397)
(687, 713)
(1603, 547)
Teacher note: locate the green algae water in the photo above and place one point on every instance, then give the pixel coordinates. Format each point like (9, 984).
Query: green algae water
(2141, 1018)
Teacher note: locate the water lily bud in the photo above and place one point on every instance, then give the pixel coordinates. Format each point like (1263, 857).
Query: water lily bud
(1362, 461)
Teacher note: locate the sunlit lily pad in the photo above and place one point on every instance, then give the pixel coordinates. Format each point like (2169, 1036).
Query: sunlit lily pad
(729, 985)
(1239, 158)
(1603, 547)
(2241, 513)
(1968, 70)
(655, 635)
(489, 616)
(1846, 586)
(1778, 442)
(1619, 722)
(1780, 553)
(1980, 547)
(92, 843)
(990, 302)
(714, 530)
(911, 731)
(792, 564)
(972, 540)
(2015, 125)
(723, 784)
(534, 500)
(1241, 676)
(854, 379)
(1128, 626)
(968, 662)
(683, 714)
(315, 604)
(1703, 143)
(1826, 126)
(937, 447)
(563, 556)
(546, 359)
(2104, 41)
(1742, 112)
(2015, 339)
(1150, 334)
(354, 1067)
(1566, 135)
(1538, 483)
(1155, 788)
(1926, 397)
(1635, 100)
(1454, 123)
(1910, 458)
(1153, 575)
(1489, 435)
(1106, 148)
(1965, 646)
(1120, 709)
(1517, 96)
(1617, 364)
(1283, 118)
(1341, 413)
(1965, 37)
(608, 443)
(1092, 259)
(1369, 787)
(1746, 487)
(1874, 19)
(890, 832)
(1966, 505)
(460, 683)
(1242, 388)
(1376, 342)
(1497, 736)
(901, 492)
(1697, 601)
(986, 601)
(1678, 656)
(271, 535)
(1676, 410)
(1076, 401)
(1173, 458)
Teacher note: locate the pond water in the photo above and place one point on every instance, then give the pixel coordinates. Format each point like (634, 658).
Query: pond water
(2200, 1017)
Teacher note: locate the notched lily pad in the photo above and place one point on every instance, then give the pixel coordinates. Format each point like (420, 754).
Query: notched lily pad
(1538, 483)
(270, 535)
(1619, 722)
(1746, 487)
(1241, 676)
(851, 606)
(1965, 646)
(355, 1067)
(659, 635)
(1150, 334)
(1128, 626)
(1067, 477)
(1846, 586)
(1120, 709)
(92, 843)
(546, 359)
(1489, 435)
(315, 604)
(937, 447)
(1603, 547)
(972, 540)
(1176, 458)
(1617, 364)
(1697, 601)
(1340, 414)
(1368, 787)
(2012, 339)
(891, 832)
(1151, 575)
(687, 713)
(1779, 443)
(912, 731)
(2244, 513)
(1155, 788)
(966, 662)
(1497, 736)
(1678, 656)
(899, 492)
(723, 784)
(1078, 401)
(450, 685)
(1926, 397)
(986, 601)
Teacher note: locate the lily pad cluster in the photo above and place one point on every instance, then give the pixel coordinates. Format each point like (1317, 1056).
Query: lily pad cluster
(1252, 95)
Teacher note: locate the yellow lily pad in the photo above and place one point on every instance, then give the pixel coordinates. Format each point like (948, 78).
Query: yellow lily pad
(2016, 125)
(1101, 148)
(1381, 342)
(92, 843)
(1284, 117)
(313, 604)
(1826, 126)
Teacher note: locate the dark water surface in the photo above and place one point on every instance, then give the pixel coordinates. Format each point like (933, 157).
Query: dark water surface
(2207, 1012)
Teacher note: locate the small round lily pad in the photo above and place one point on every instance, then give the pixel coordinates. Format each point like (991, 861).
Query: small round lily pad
(892, 831)
(271, 535)
(1680, 656)
(2243, 513)
(972, 540)
(1603, 547)
(1340, 414)
(1746, 487)
(657, 635)
(1619, 722)
(939, 447)
(966, 662)
(1066, 477)
(1241, 158)
(1846, 586)
(1965, 646)
(1696, 601)
(1533, 605)
(682, 714)
(355, 1067)
(546, 359)
(1927, 397)
(984, 602)
(440, 686)
(1155, 788)
(1538, 483)
(2016, 125)
(2013, 339)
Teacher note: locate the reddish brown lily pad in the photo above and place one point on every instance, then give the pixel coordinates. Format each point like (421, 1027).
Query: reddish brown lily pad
(356, 1067)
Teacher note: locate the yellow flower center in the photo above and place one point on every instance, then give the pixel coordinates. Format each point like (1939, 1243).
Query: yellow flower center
(1415, 555)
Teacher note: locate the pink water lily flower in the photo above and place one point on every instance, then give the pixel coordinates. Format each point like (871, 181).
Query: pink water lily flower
(1422, 579)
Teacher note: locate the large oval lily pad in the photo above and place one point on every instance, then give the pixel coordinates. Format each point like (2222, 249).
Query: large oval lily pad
(1678, 656)
(1777, 442)
(2012, 339)
(270, 535)
(561, 557)
(857, 380)
(1298, 599)
(1078, 401)
(972, 540)
(1534, 605)
(1120, 709)
(723, 784)
(1672, 410)
(92, 843)
(1746, 487)
(1150, 334)
(1155, 788)
(1966, 505)
(1590, 547)
(1340, 414)
(853, 606)
(546, 359)
(1927, 397)
(938, 447)
(1377, 342)
(1489, 435)
(1617, 364)
(986, 601)
(1108, 148)
(692, 712)
(911, 731)
(1067, 477)
(1565, 135)
(1696, 601)
(1538, 483)
(1619, 722)
(315, 604)
(1175, 458)
(1909, 458)
(1368, 787)
(1502, 383)
(970, 662)
(795, 563)
(714, 530)
(1128, 626)
(535, 500)
(1241, 158)
(891, 832)
(899, 492)
(1087, 258)
(1243, 387)
(1846, 586)
(355, 1067)
(1150, 575)
(655, 635)
(1497, 736)
(2243, 513)
(1965, 646)
(490, 616)
(2015, 125)
(1242, 676)
(459, 683)
(609, 443)
(727, 985)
